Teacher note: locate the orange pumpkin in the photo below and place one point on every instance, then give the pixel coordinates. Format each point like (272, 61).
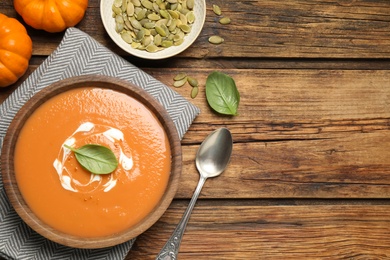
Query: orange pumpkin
(15, 50)
(51, 15)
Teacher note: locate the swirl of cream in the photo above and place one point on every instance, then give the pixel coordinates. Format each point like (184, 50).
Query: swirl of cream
(85, 130)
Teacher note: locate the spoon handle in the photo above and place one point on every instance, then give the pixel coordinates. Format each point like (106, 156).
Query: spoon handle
(171, 248)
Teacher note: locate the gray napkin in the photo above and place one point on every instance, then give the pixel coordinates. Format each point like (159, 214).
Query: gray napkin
(77, 54)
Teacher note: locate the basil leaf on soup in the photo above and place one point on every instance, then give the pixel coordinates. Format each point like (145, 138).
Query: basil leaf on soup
(222, 94)
(95, 158)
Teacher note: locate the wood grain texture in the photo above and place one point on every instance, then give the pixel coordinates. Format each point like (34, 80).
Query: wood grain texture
(350, 167)
(292, 29)
(273, 232)
(297, 95)
(310, 174)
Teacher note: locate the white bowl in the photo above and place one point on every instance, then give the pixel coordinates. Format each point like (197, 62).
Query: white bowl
(109, 25)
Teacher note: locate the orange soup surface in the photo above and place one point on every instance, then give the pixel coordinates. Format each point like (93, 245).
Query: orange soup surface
(71, 199)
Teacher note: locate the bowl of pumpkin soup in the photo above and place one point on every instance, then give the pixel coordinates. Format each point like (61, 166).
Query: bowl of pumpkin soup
(91, 161)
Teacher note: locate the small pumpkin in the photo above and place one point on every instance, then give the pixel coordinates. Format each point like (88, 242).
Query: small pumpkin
(15, 50)
(51, 15)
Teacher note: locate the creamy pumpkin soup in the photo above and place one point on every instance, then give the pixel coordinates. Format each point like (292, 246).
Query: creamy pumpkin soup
(70, 198)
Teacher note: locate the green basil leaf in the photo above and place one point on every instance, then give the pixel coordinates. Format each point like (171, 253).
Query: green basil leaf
(222, 93)
(95, 158)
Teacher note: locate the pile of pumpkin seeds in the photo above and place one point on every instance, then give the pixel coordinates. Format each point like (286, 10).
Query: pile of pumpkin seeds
(182, 78)
(216, 39)
(153, 25)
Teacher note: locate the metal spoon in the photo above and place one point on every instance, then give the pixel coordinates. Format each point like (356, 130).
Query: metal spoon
(211, 160)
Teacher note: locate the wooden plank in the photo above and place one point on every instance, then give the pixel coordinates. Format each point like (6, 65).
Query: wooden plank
(293, 29)
(353, 166)
(273, 232)
(244, 63)
(279, 104)
(296, 95)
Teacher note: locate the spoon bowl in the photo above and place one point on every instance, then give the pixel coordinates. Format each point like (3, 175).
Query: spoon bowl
(212, 158)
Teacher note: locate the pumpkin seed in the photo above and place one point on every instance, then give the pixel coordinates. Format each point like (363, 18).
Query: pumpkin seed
(149, 25)
(224, 20)
(152, 48)
(177, 37)
(165, 28)
(180, 76)
(194, 92)
(183, 8)
(130, 9)
(136, 24)
(217, 10)
(118, 3)
(119, 27)
(140, 35)
(169, 21)
(119, 19)
(215, 39)
(185, 28)
(147, 40)
(190, 4)
(190, 17)
(164, 13)
(174, 14)
(160, 31)
(183, 18)
(128, 26)
(193, 82)
(126, 36)
(154, 17)
(166, 43)
(144, 21)
(157, 40)
(153, 32)
(135, 45)
(162, 6)
(116, 10)
(179, 42)
(140, 14)
(180, 83)
(136, 2)
(172, 27)
(180, 33)
(156, 8)
(147, 4)
(161, 22)
(124, 5)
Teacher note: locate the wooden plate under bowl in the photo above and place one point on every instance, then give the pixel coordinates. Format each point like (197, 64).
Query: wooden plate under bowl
(8, 173)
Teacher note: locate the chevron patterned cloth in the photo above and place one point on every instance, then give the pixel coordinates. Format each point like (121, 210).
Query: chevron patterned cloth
(77, 54)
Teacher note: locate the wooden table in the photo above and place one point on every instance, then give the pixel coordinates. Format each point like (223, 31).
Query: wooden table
(310, 173)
